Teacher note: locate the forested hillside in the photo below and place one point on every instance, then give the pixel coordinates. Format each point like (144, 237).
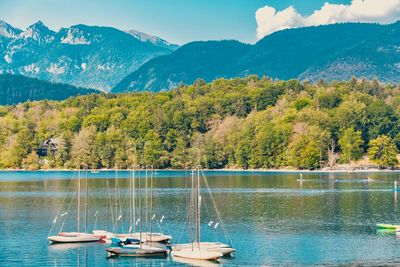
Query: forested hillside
(16, 89)
(240, 123)
(329, 52)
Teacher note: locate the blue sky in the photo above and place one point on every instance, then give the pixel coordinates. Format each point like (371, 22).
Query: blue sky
(178, 21)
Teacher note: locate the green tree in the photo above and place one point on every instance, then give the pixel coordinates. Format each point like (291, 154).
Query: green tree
(382, 151)
(350, 143)
(179, 156)
(31, 162)
(153, 150)
(82, 153)
(308, 148)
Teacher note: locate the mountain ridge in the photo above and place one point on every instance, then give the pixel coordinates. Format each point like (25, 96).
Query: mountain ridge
(331, 52)
(81, 55)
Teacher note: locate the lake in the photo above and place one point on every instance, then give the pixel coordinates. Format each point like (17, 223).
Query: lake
(270, 217)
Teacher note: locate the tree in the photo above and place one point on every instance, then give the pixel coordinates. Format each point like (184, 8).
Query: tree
(153, 150)
(179, 156)
(31, 162)
(350, 143)
(308, 148)
(382, 151)
(63, 153)
(83, 148)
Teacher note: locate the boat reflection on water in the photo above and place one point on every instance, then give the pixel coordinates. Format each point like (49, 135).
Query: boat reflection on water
(138, 261)
(81, 250)
(386, 231)
(72, 246)
(197, 263)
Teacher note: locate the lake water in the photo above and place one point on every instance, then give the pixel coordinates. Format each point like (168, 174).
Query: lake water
(271, 218)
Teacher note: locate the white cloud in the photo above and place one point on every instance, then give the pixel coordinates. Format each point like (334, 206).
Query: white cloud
(381, 11)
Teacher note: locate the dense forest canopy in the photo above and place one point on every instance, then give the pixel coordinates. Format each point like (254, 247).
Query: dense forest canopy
(16, 89)
(239, 123)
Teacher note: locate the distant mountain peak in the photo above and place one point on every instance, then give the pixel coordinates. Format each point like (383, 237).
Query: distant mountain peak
(39, 32)
(144, 37)
(76, 36)
(7, 30)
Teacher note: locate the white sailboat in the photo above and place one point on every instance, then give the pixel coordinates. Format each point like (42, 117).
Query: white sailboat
(198, 250)
(209, 246)
(77, 237)
(140, 249)
(144, 236)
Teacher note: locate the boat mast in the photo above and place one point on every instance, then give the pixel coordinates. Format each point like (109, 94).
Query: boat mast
(86, 199)
(130, 202)
(141, 211)
(198, 202)
(151, 201)
(133, 199)
(116, 199)
(145, 203)
(188, 207)
(79, 198)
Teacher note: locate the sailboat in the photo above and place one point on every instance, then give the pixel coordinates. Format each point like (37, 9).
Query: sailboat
(145, 236)
(138, 248)
(77, 237)
(198, 250)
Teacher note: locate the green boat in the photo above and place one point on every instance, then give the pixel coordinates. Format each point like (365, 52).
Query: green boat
(387, 226)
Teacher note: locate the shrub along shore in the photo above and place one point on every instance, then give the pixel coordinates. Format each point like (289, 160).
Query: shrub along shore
(242, 123)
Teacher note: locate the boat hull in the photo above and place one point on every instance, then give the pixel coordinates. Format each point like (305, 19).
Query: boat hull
(387, 226)
(197, 254)
(147, 237)
(136, 251)
(69, 238)
(207, 246)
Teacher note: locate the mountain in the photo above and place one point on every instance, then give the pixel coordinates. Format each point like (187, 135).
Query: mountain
(16, 89)
(144, 37)
(330, 52)
(81, 55)
(8, 31)
(196, 59)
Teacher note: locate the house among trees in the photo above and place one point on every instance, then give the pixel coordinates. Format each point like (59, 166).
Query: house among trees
(48, 146)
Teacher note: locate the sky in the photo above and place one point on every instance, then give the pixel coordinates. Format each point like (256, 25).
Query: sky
(182, 21)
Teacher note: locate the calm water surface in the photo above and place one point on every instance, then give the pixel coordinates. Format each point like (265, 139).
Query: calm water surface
(271, 218)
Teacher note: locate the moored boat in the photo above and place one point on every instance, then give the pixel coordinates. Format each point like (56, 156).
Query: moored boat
(121, 242)
(387, 226)
(137, 251)
(197, 254)
(147, 237)
(73, 238)
(207, 246)
(198, 250)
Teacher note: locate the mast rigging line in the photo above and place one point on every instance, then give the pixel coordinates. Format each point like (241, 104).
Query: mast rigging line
(217, 211)
(62, 203)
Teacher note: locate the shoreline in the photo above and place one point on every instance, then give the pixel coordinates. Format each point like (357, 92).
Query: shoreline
(225, 170)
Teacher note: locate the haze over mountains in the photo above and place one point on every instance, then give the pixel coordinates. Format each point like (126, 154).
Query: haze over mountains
(332, 52)
(81, 55)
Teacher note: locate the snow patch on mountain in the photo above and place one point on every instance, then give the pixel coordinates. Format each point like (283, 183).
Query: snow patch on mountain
(56, 69)
(32, 69)
(8, 58)
(75, 37)
(106, 66)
